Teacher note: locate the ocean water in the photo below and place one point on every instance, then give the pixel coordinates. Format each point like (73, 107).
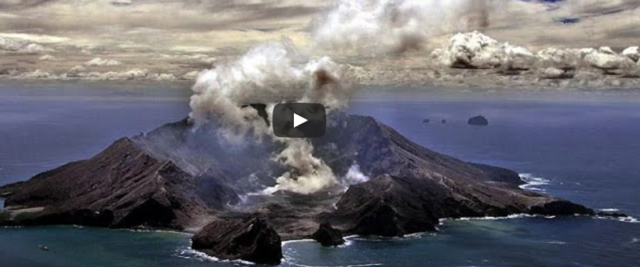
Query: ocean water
(43, 126)
(580, 147)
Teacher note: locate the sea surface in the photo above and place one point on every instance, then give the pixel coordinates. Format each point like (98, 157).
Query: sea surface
(580, 146)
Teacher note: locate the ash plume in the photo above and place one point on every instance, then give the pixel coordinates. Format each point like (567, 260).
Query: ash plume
(308, 174)
(276, 72)
(271, 73)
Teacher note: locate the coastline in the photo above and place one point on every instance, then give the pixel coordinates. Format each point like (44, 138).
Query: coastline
(296, 252)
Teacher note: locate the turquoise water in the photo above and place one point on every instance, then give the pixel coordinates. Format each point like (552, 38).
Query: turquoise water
(70, 246)
(577, 148)
(514, 242)
(517, 242)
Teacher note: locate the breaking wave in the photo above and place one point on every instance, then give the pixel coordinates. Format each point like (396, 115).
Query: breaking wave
(191, 254)
(609, 210)
(284, 243)
(628, 219)
(532, 182)
(491, 218)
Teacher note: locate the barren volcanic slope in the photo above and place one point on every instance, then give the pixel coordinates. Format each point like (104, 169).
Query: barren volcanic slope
(182, 177)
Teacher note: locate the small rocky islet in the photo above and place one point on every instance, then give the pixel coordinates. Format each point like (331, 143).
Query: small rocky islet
(478, 121)
(177, 177)
(250, 239)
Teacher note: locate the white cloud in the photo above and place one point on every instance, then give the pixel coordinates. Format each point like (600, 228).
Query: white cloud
(102, 62)
(476, 50)
(20, 46)
(48, 58)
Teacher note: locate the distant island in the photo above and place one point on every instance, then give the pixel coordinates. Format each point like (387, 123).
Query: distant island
(478, 121)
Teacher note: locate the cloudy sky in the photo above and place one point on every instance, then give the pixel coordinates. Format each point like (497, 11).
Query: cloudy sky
(181, 36)
(165, 23)
(215, 23)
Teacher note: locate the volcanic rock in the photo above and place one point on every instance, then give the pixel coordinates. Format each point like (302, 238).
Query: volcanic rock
(250, 239)
(478, 121)
(328, 236)
(179, 176)
(561, 207)
(122, 187)
(384, 206)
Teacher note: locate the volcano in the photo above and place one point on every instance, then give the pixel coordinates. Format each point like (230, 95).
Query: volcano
(182, 176)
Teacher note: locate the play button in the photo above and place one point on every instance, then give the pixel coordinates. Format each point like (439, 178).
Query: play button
(299, 120)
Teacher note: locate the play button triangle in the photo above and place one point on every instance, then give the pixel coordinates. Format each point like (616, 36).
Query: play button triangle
(298, 120)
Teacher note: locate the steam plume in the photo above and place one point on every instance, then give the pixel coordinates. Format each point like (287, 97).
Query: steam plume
(276, 72)
(272, 73)
(308, 175)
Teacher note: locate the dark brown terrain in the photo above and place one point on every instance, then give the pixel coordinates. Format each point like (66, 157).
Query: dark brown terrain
(250, 239)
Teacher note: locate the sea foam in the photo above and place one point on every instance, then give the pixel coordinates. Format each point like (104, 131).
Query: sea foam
(284, 243)
(609, 210)
(532, 182)
(192, 254)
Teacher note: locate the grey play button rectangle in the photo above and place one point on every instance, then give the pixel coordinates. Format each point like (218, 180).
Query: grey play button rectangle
(299, 120)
